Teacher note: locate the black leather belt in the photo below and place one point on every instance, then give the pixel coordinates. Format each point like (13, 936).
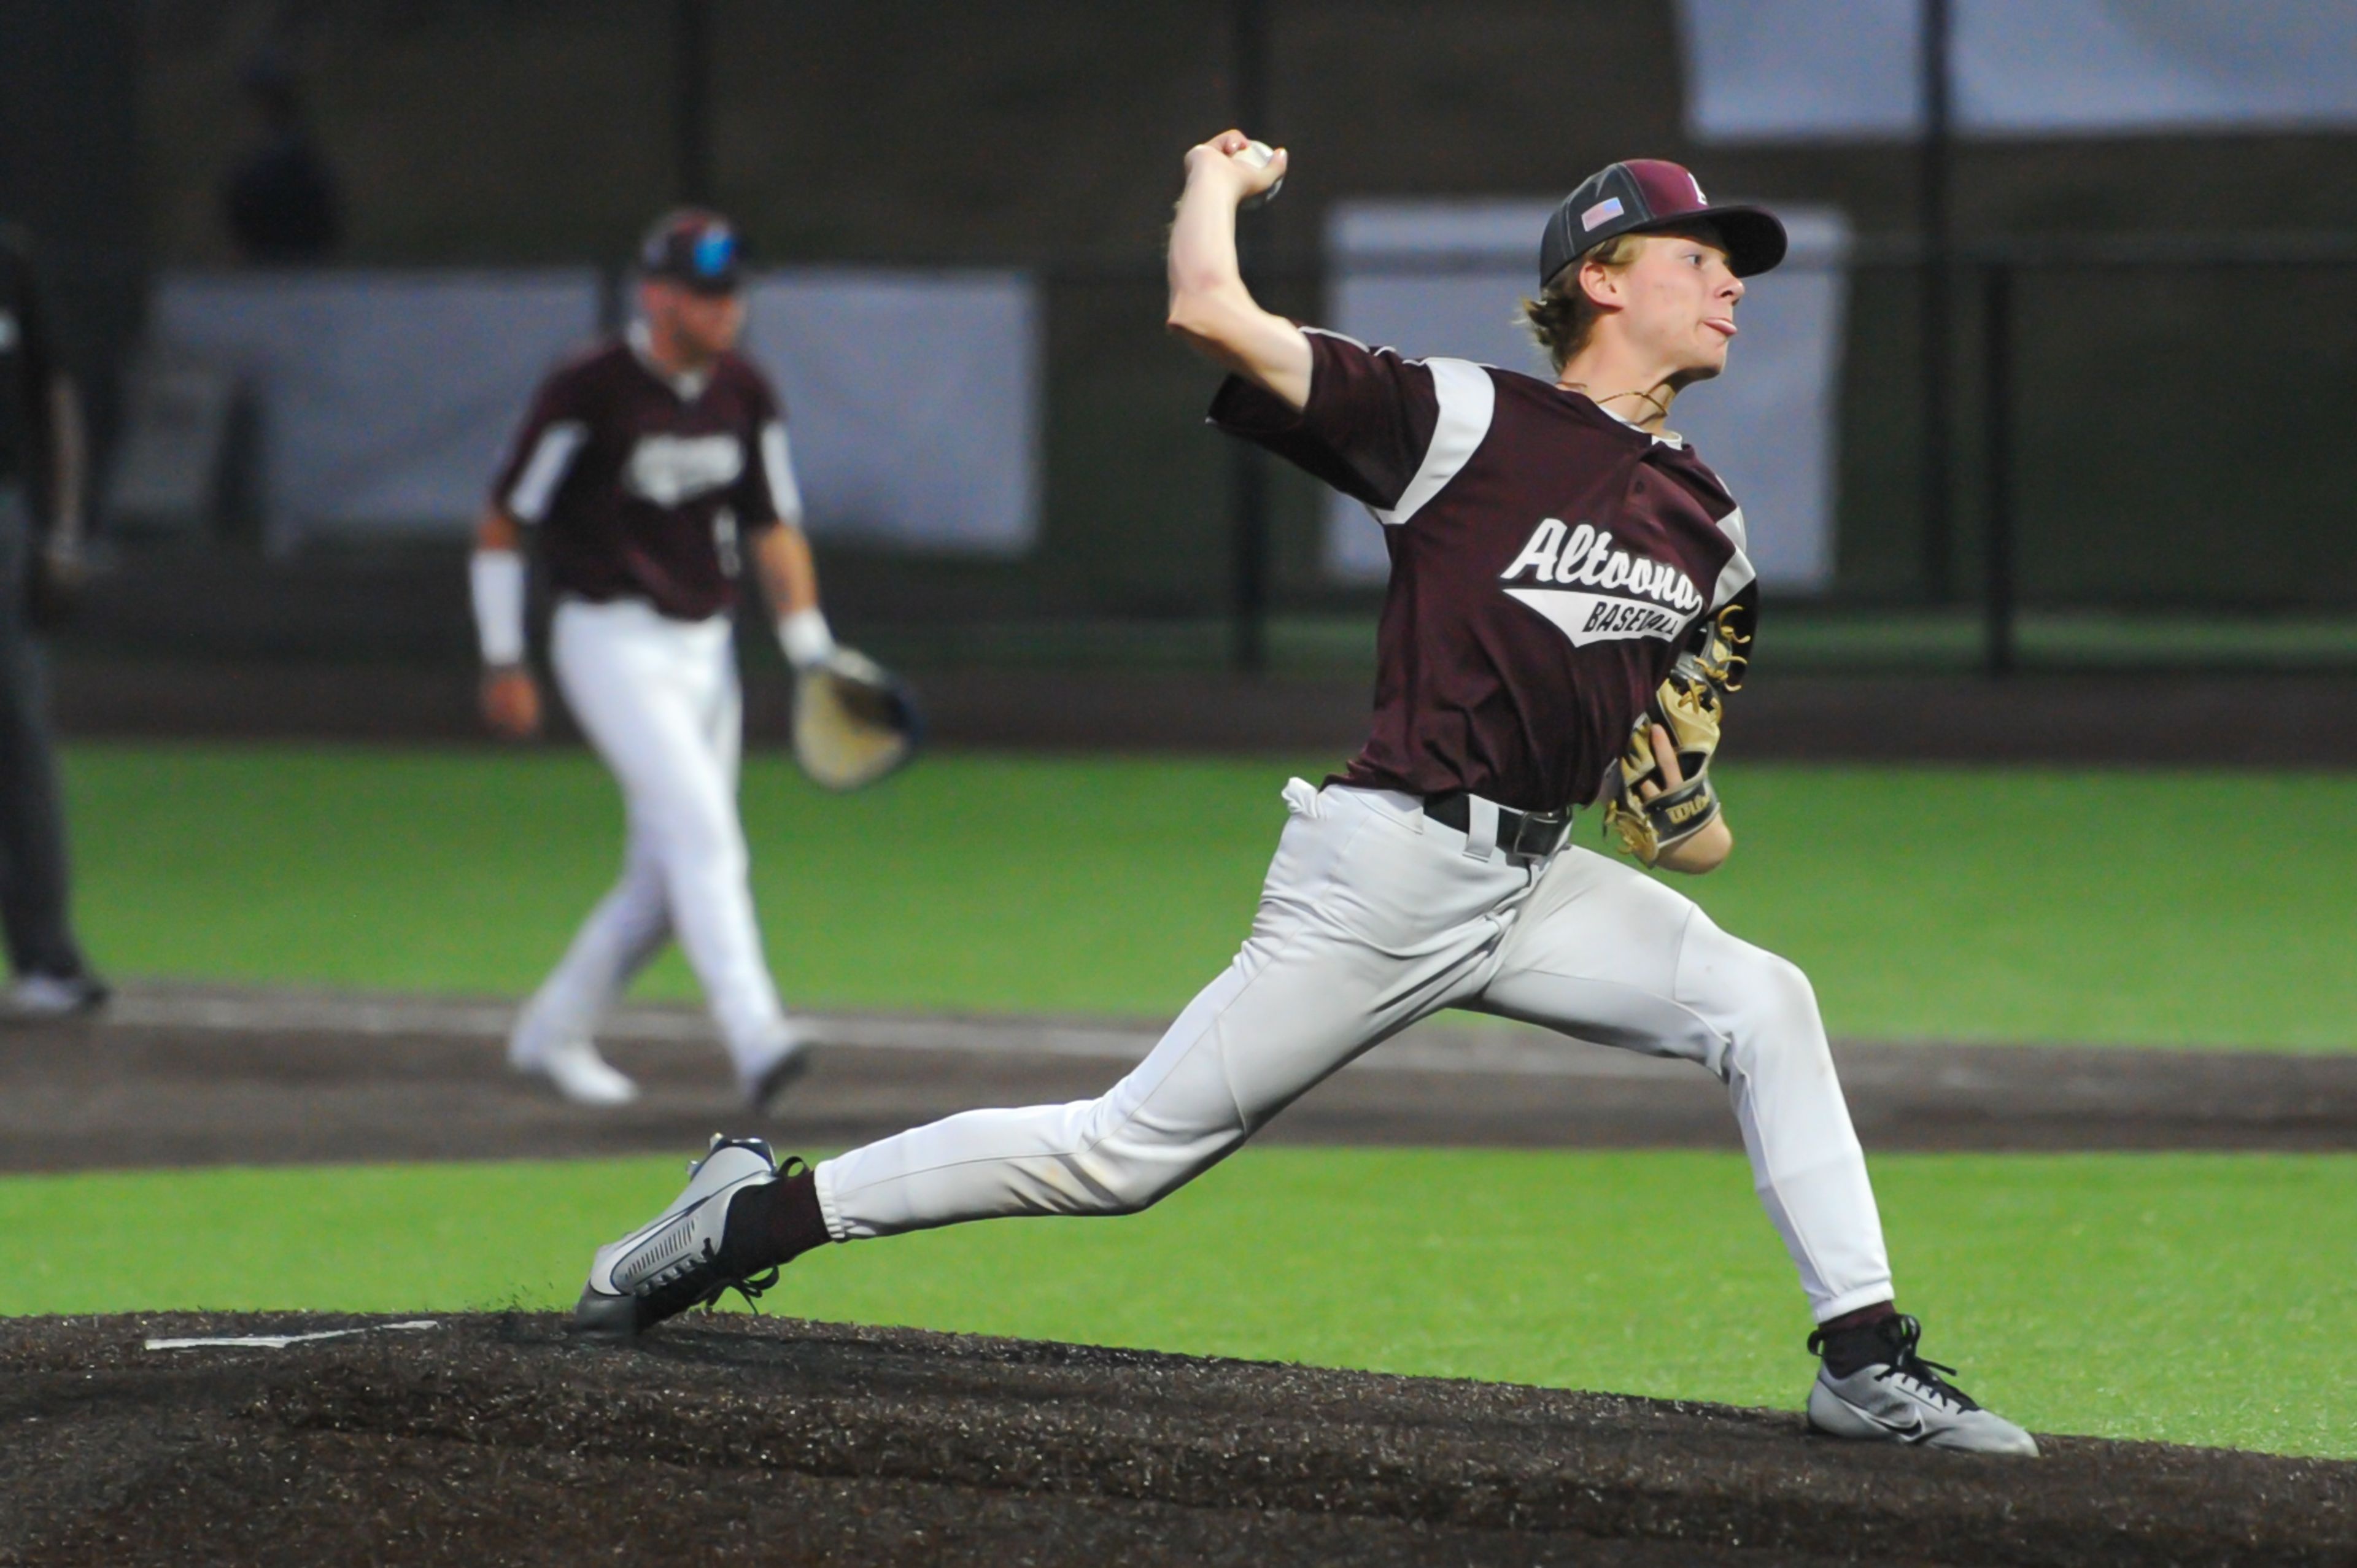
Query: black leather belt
(1533, 834)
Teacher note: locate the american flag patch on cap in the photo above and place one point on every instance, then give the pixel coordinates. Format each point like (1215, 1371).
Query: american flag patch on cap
(1608, 207)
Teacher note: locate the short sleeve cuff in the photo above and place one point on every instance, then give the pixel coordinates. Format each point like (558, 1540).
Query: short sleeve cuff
(1246, 408)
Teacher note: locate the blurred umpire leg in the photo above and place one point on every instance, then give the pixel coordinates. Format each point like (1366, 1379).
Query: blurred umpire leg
(1371, 918)
(50, 978)
(1604, 952)
(659, 700)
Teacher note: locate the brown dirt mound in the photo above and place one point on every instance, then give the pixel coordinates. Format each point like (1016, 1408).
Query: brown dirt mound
(496, 1439)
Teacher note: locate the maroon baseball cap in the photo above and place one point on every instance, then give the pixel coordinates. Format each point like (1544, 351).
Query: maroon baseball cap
(1640, 194)
(694, 247)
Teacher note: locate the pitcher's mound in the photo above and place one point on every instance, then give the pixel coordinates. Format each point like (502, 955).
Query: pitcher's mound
(497, 1439)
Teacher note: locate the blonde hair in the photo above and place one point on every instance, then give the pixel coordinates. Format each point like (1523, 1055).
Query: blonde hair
(1562, 317)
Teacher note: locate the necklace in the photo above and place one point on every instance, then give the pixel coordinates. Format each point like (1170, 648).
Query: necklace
(1660, 407)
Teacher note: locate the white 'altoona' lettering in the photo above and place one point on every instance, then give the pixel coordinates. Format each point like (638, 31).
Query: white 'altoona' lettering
(1582, 556)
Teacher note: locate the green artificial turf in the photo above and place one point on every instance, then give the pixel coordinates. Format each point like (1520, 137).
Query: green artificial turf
(2197, 1298)
(2112, 906)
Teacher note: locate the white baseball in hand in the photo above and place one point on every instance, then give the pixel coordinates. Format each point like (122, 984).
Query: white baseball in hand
(1257, 154)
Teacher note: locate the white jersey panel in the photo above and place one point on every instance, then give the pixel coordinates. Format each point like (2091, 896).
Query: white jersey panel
(1469, 402)
(1737, 574)
(529, 497)
(778, 465)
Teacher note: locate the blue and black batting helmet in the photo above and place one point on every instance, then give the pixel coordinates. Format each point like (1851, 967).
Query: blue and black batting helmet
(693, 246)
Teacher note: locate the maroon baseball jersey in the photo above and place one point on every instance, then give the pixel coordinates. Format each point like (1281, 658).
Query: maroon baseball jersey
(641, 482)
(1546, 561)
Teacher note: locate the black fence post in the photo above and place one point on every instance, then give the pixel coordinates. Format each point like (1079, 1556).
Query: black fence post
(1997, 388)
(1247, 466)
(1938, 294)
(691, 100)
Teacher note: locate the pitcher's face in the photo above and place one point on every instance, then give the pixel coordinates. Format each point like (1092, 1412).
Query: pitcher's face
(1678, 300)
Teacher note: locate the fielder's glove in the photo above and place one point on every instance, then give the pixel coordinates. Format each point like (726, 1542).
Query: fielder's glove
(1689, 706)
(854, 721)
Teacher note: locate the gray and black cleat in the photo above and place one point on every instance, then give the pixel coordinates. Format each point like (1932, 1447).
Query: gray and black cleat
(679, 1259)
(1898, 1397)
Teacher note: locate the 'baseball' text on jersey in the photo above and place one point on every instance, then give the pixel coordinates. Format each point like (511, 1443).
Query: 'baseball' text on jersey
(1600, 617)
(1620, 618)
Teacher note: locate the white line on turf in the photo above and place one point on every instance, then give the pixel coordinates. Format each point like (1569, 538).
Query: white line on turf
(280, 1341)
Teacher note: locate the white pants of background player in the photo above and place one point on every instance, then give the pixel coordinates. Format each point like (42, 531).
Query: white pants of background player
(659, 700)
(1373, 916)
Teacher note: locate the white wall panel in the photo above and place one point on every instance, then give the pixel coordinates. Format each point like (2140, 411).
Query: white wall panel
(385, 398)
(914, 399)
(1784, 70)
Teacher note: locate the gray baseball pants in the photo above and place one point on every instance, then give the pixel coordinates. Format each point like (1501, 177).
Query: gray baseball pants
(1373, 916)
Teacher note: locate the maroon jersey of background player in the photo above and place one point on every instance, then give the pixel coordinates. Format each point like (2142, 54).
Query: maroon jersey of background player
(642, 480)
(1547, 559)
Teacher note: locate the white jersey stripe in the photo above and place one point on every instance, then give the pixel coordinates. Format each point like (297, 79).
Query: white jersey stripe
(529, 497)
(778, 467)
(1737, 575)
(1468, 401)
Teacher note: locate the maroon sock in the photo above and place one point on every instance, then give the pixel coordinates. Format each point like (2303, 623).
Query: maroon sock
(1865, 1317)
(1854, 1339)
(775, 1222)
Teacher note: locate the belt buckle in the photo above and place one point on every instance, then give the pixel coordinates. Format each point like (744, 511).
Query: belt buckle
(1548, 829)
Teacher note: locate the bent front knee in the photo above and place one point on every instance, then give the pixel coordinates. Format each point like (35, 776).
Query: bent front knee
(1785, 990)
(1772, 1018)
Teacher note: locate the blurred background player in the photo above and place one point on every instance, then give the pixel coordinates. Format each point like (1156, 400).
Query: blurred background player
(43, 491)
(655, 472)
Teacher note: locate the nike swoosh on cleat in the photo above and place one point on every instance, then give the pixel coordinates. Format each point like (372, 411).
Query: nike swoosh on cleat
(1913, 1432)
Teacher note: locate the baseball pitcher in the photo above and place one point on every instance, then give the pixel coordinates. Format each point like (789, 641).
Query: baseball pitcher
(1569, 603)
(655, 472)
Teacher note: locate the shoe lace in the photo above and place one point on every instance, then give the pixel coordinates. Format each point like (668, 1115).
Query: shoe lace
(1903, 1333)
(1727, 641)
(1899, 1336)
(750, 1287)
